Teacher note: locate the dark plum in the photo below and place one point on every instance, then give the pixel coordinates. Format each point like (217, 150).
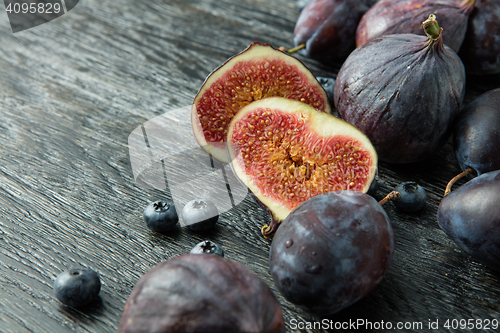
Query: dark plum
(200, 215)
(328, 28)
(208, 247)
(480, 50)
(470, 216)
(160, 216)
(476, 135)
(406, 16)
(201, 293)
(331, 251)
(411, 197)
(77, 286)
(405, 95)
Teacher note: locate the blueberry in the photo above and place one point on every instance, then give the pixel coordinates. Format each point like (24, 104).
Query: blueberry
(301, 4)
(77, 286)
(327, 83)
(373, 188)
(160, 216)
(208, 247)
(200, 215)
(412, 197)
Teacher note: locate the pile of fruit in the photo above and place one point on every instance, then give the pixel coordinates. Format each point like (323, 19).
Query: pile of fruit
(399, 95)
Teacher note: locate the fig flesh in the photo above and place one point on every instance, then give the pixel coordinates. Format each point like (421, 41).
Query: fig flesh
(406, 16)
(331, 251)
(259, 71)
(405, 95)
(328, 28)
(476, 136)
(286, 152)
(480, 50)
(201, 293)
(470, 216)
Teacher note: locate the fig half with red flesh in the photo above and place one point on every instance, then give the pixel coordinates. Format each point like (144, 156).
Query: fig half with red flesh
(286, 152)
(259, 71)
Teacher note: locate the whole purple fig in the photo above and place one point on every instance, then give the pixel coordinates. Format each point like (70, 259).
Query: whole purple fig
(405, 16)
(327, 28)
(403, 91)
(201, 293)
(480, 50)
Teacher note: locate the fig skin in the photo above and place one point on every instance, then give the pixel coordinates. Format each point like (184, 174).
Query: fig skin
(470, 216)
(403, 91)
(328, 28)
(476, 135)
(406, 16)
(331, 251)
(250, 75)
(480, 50)
(201, 293)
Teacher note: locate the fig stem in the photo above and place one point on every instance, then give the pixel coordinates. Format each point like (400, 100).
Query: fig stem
(293, 50)
(456, 178)
(431, 27)
(393, 195)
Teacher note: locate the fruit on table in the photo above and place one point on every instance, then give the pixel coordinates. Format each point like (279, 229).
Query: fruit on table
(406, 16)
(480, 50)
(403, 91)
(257, 72)
(77, 286)
(200, 215)
(327, 83)
(476, 135)
(160, 216)
(300, 4)
(412, 197)
(373, 188)
(208, 247)
(331, 251)
(286, 152)
(201, 293)
(328, 28)
(470, 216)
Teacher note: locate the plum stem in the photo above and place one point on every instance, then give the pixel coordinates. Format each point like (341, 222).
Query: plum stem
(393, 195)
(268, 230)
(456, 178)
(293, 50)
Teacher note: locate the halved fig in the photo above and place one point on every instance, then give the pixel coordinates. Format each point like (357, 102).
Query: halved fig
(286, 152)
(259, 71)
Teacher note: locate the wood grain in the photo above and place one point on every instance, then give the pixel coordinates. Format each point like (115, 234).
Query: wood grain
(71, 93)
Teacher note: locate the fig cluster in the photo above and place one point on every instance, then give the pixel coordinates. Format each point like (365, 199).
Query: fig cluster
(399, 94)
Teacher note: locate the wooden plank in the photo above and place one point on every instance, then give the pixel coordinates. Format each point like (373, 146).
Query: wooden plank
(75, 91)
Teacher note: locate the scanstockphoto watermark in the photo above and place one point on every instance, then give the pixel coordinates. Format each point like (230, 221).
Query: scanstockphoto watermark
(26, 14)
(165, 155)
(358, 324)
(367, 325)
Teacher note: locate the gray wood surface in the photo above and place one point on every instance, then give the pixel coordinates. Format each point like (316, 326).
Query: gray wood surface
(73, 91)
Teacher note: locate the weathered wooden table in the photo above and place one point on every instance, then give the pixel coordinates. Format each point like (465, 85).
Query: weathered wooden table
(72, 93)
